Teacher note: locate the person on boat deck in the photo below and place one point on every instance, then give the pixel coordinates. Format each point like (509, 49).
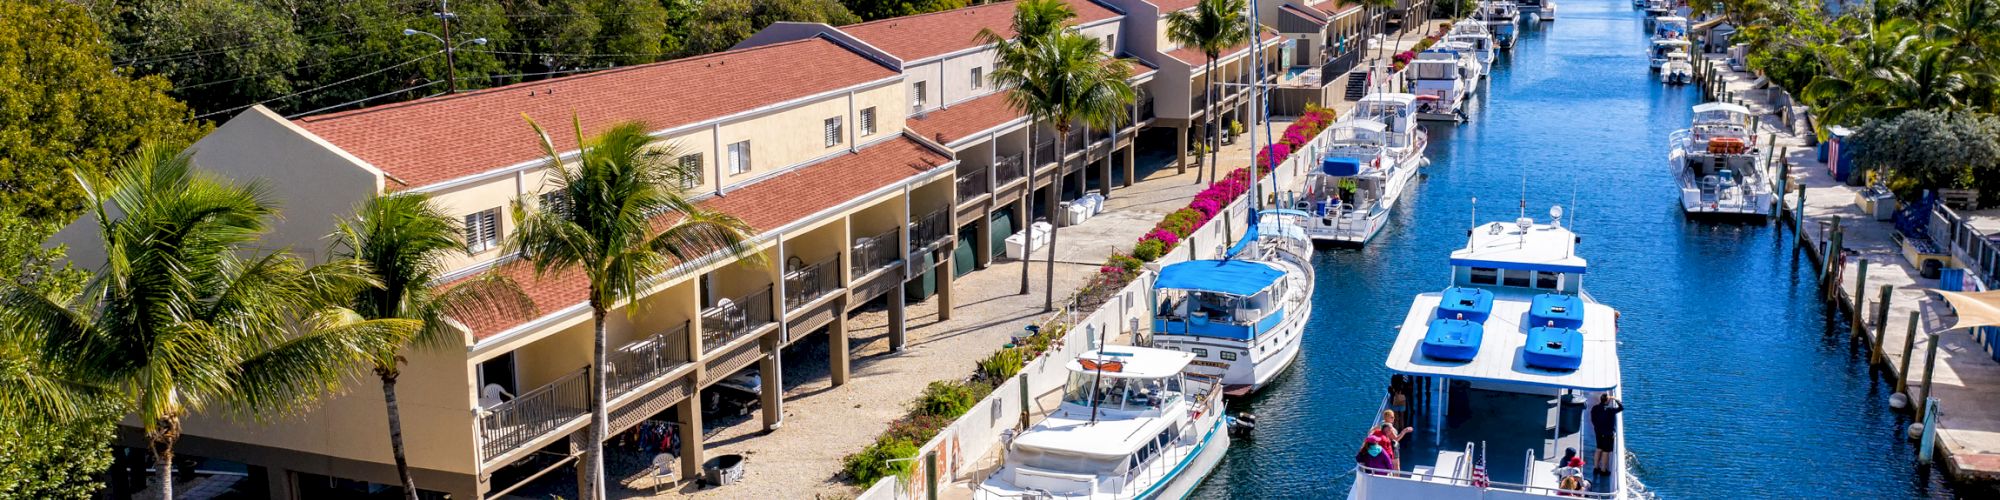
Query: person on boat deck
(1563, 468)
(1375, 454)
(1604, 420)
(1389, 431)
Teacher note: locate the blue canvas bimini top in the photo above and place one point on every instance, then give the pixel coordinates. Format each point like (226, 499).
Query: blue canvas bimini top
(1234, 277)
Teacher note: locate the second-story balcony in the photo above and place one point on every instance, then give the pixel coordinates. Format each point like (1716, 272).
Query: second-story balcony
(807, 283)
(1009, 168)
(643, 360)
(1045, 151)
(1145, 108)
(505, 426)
(733, 318)
(932, 228)
(874, 253)
(973, 184)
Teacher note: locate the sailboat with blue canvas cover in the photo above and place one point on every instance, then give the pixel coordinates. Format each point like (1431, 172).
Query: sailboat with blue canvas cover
(1241, 316)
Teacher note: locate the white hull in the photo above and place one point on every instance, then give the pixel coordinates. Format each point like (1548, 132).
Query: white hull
(1198, 467)
(1358, 226)
(1750, 195)
(1265, 357)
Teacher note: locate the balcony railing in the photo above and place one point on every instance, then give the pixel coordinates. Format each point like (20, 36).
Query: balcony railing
(643, 360)
(931, 228)
(972, 185)
(1146, 111)
(810, 282)
(1045, 151)
(534, 414)
(1009, 168)
(732, 319)
(877, 252)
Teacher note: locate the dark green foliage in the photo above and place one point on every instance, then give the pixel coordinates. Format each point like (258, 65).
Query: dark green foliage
(1149, 250)
(1925, 150)
(871, 10)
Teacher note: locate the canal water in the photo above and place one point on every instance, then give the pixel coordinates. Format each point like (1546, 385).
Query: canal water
(1737, 381)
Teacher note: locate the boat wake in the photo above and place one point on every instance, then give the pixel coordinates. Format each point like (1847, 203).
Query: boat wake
(1634, 488)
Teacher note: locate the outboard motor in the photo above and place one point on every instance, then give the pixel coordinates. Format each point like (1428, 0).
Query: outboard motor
(1242, 425)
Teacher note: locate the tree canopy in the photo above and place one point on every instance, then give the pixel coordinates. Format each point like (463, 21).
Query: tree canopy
(67, 110)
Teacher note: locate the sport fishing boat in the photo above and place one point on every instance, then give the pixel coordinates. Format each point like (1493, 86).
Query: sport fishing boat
(1664, 49)
(1241, 316)
(1669, 35)
(1132, 425)
(1718, 164)
(1501, 17)
(1442, 78)
(1495, 373)
(1677, 70)
(1371, 158)
(1656, 8)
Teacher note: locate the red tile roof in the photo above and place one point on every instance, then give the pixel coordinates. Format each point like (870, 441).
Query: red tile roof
(427, 141)
(768, 204)
(927, 35)
(1194, 57)
(1167, 6)
(965, 118)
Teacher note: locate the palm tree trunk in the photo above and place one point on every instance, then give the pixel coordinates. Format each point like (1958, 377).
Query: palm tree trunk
(593, 454)
(1215, 138)
(389, 374)
(162, 440)
(1062, 151)
(1027, 205)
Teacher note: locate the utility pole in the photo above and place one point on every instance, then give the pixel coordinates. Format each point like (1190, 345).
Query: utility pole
(445, 17)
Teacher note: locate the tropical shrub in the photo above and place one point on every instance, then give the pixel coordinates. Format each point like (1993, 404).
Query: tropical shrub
(880, 460)
(1002, 365)
(1149, 250)
(949, 399)
(1925, 150)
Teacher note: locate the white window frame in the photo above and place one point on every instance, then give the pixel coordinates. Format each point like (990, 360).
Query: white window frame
(978, 77)
(739, 158)
(482, 230)
(868, 121)
(695, 172)
(919, 94)
(556, 201)
(832, 129)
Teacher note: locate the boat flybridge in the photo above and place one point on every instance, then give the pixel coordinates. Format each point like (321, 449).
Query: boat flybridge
(1657, 8)
(1132, 424)
(1371, 159)
(1500, 17)
(1496, 371)
(1677, 70)
(1475, 38)
(1442, 78)
(1720, 168)
(1663, 50)
(1241, 316)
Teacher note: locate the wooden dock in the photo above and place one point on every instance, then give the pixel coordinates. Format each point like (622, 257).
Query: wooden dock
(1965, 379)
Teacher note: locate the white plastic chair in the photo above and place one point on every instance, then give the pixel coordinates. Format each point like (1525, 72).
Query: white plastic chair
(492, 395)
(664, 469)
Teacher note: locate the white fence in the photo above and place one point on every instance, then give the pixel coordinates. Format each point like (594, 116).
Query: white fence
(960, 450)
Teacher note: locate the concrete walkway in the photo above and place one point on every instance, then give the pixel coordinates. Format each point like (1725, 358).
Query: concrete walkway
(823, 424)
(1966, 380)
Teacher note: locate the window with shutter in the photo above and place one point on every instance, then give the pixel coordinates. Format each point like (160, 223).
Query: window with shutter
(691, 167)
(917, 96)
(833, 132)
(978, 77)
(868, 122)
(482, 230)
(556, 202)
(739, 158)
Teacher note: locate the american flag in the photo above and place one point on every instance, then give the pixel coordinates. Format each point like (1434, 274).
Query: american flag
(1479, 479)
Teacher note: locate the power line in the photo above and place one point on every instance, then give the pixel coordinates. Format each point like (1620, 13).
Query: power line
(322, 87)
(370, 98)
(269, 73)
(544, 73)
(504, 52)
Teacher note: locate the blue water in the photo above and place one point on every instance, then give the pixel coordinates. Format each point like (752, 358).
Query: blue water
(1738, 383)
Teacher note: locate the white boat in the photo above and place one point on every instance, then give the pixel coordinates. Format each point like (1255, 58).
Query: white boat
(1531, 7)
(1663, 49)
(1442, 78)
(1474, 38)
(1241, 316)
(1716, 159)
(1496, 371)
(1677, 70)
(1548, 12)
(1640, 4)
(1371, 159)
(1501, 17)
(1655, 8)
(1132, 425)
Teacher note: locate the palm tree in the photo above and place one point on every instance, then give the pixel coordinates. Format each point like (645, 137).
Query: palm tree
(404, 241)
(183, 315)
(617, 186)
(1033, 21)
(1066, 80)
(1212, 26)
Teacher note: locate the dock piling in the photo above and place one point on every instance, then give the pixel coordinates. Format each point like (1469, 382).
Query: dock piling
(1830, 279)
(1909, 343)
(1930, 362)
(1875, 349)
(1855, 326)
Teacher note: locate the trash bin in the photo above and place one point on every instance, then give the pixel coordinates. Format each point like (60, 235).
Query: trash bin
(1570, 416)
(1074, 213)
(1020, 244)
(723, 470)
(923, 285)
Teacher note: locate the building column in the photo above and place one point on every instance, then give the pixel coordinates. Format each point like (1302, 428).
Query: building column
(898, 304)
(771, 379)
(1104, 173)
(279, 482)
(689, 411)
(1131, 162)
(946, 276)
(982, 239)
(1051, 200)
(836, 344)
(1180, 149)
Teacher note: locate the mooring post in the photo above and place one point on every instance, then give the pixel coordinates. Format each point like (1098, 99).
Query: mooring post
(1909, 344)
(1875, 350)
(1930, 361)
(1926, 445)
(1831, 279)
(1860, 300)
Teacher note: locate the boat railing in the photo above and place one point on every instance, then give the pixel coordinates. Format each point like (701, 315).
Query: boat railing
(1163, 462)
(1464, 480)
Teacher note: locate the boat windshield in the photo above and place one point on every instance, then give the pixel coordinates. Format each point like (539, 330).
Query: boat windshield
(1121, 393)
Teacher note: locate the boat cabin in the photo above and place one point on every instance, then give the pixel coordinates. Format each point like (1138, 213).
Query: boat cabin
(1124, 410)
(1397, 110)
(1230, 299)
(1523, 256)
(1662, 47)
(1674, 27)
